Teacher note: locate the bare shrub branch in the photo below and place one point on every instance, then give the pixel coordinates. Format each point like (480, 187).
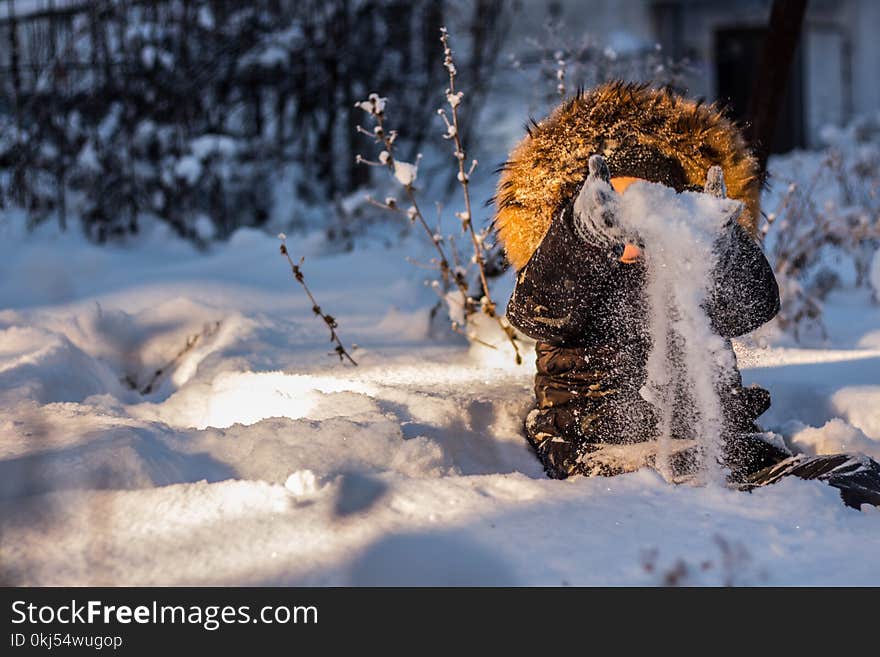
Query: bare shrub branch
(847, 220)
(453, 132)
(405, 173)
(329, 320)
(451, 267)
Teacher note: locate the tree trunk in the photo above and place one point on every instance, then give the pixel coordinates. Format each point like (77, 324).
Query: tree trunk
(783, 34)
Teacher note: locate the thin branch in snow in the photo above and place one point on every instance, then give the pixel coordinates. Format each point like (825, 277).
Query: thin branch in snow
(405, 173)
(329, 320)
(191, 342)
(453, 132)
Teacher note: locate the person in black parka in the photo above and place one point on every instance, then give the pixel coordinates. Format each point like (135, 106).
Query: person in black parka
(583, 301)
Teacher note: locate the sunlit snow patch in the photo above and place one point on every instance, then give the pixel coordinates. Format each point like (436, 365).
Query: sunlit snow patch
(248, 397)
(302, 483)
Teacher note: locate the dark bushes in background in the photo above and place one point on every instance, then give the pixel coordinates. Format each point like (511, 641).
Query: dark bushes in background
(199, 111)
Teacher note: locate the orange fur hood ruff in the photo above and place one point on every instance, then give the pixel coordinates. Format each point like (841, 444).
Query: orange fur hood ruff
(549, 164)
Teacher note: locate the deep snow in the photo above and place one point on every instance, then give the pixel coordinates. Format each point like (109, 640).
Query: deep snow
(261, 459)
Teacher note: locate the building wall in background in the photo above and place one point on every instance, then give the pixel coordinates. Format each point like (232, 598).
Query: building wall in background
(866, 56)
(839, 58)
(838, 62)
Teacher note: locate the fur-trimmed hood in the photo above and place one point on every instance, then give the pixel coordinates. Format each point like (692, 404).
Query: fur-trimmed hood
(546, 168)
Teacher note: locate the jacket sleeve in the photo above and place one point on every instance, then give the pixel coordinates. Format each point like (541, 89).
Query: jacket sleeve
(744, 292)
(561, 293)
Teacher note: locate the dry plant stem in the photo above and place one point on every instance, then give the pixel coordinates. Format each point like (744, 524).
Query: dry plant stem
(488, 304)
(329, 320)
(191, 343)
(560, 76)
(472, 338)
(446, 271)
(783, 204)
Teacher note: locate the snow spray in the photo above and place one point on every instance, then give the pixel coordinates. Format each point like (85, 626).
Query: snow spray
(678, 233)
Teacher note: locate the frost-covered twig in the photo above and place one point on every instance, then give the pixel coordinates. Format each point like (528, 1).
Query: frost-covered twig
(560, 74)
(405, 173)
(453, 133)
(451, 270)
(329, 320)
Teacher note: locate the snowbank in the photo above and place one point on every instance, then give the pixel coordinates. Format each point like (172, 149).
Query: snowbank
(257, 458)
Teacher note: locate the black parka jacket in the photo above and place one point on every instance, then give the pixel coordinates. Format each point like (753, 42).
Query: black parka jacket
(587, 312)
(586, 309)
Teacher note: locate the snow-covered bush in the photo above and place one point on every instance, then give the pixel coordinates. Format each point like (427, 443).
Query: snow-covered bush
(831, 211)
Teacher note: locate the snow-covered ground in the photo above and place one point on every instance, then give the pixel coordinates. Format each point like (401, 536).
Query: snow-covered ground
(257, 458)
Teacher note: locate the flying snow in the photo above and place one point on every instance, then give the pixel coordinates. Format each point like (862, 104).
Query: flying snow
(680, 232)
